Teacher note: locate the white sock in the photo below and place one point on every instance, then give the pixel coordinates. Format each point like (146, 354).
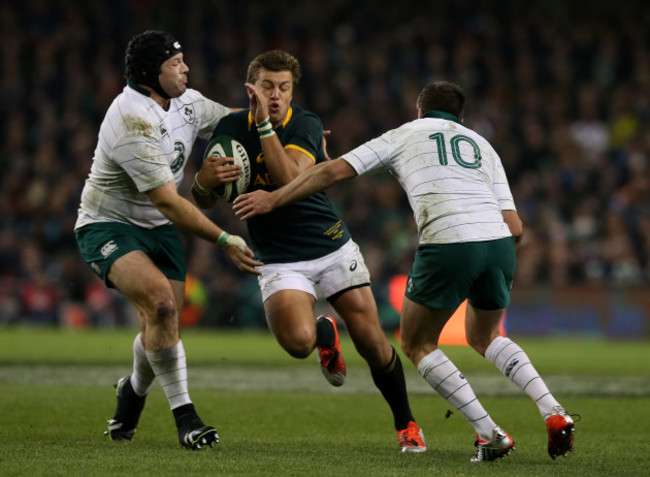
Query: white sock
(142, 376)
(444, 377)
(513, 362)
(170, 367)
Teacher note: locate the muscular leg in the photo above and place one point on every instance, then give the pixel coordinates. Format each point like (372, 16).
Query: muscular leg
(137, 278)
(482, 330)
(421, 327)
(481, 327)
(290, 316)
(143, 375)
(159, 302)
(359, 312)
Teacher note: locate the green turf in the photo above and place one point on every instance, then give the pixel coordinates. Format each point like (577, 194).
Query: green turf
(53, 429)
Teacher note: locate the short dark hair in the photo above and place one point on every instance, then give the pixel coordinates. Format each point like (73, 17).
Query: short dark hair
(442, 96)
(274, 60)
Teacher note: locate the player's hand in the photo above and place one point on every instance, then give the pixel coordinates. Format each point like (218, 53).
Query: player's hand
(252, 204)
(258, 102)
(239, 253)
(217, 171)
(244, 261)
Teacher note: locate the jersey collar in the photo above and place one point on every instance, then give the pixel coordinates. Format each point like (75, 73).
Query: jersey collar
(441, 115)
(284, 123)
(137, 87)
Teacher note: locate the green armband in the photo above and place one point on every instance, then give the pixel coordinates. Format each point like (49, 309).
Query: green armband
(265, 128)
(223, 238)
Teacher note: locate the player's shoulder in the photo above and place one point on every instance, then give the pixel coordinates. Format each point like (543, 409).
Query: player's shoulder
(131, 101)
(234, 122)
(191, 95)
(301, 119)
(132, 112)
(243, 115)
(474, 135)
(299, 113)
(194, 99)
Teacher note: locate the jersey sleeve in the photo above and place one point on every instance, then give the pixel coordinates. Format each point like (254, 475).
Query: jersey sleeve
(500, 185)
(370, 156)
(307, 137)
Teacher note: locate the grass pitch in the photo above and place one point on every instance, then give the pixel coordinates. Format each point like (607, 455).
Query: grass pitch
(278, 416)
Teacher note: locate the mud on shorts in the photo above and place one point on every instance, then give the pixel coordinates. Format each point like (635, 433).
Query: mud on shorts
(444, 275)
(104, 242)
(334, 272)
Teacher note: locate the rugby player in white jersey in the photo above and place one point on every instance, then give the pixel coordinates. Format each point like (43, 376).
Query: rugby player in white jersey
(468, 230)
(128, 217)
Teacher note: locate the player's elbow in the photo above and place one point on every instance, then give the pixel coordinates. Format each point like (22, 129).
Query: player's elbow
(514, 223)
(338, 170)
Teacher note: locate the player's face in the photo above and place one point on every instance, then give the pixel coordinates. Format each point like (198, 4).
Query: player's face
(173, 76)
(277, 87)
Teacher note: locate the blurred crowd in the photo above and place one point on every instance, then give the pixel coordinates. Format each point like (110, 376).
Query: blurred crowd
(561, 89)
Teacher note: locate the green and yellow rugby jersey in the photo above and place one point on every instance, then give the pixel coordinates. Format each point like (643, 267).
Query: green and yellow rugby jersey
(304, 230)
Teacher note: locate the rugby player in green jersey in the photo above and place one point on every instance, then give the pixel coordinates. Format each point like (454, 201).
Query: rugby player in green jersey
(306, 245)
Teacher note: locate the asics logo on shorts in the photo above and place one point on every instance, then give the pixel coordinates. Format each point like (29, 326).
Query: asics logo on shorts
(108, 248)
(353, 266)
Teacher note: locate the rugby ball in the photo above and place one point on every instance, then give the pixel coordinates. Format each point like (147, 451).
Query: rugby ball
(227, 146)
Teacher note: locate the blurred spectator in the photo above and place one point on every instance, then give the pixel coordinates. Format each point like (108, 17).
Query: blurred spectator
(560, 88)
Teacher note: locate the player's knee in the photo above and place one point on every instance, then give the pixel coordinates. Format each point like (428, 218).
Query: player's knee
(298, 349)
(164, 311)
(298, 343)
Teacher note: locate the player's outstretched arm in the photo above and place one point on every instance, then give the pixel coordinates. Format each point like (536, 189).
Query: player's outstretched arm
(182, 213)
(315, 179)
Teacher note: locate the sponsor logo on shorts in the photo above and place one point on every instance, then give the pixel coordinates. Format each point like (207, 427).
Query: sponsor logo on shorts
(270, 280)
(96, 268)
(353, 266)
(410, 286)
(108, 248)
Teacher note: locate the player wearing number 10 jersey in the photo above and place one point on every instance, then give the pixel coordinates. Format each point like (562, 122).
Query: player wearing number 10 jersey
(454, 179)
(468, 228)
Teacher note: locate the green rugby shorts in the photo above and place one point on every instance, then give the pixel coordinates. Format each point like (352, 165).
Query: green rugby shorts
(444, 275)
(104, 242)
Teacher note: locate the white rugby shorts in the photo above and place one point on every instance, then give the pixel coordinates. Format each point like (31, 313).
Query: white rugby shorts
(336, 271)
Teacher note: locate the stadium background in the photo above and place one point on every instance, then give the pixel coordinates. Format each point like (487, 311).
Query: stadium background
(560, 88)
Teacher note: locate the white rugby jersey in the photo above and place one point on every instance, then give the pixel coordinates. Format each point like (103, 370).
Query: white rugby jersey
(454, 179)
(140, 148)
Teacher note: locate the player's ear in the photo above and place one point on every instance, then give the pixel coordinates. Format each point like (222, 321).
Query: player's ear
(420, 113)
